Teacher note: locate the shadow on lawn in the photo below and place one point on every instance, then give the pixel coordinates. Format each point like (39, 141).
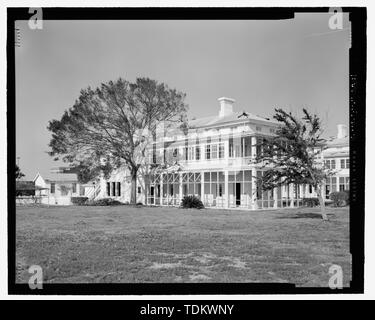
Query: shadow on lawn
(304, 215)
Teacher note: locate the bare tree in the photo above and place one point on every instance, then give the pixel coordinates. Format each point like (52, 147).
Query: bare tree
(116, 122)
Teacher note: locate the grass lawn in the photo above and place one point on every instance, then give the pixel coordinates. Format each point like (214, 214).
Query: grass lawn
(152, 244)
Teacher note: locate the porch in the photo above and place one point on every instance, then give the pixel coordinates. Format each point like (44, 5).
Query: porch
(221, 189)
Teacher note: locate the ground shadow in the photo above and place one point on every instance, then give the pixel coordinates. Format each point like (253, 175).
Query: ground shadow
(304, 215)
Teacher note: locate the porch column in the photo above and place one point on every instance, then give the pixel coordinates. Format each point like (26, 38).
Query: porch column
(305, 186)
(291, 193)
(254, 204)
(161, 189)
(102, 186)
(202, 186)
(301, 196)
(275, 197)
(180, 186)
(226, 186)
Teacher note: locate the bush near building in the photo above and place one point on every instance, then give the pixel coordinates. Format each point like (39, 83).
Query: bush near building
(104, 202)
(340, 198)
(191, 202)
(79, 201)
(310, 202)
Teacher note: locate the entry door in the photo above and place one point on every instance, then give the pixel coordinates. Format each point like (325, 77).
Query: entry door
(158, 190)
(152, 192)
(238, 194)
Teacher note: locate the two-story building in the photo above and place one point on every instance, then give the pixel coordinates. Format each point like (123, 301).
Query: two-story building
(215, 161)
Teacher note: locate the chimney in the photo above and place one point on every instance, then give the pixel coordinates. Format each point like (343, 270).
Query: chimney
(342, 131)
(226, 106)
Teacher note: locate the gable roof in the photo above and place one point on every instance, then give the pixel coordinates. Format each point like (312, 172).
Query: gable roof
(58, 177)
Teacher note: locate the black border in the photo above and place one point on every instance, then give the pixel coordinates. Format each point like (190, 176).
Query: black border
(357, 69)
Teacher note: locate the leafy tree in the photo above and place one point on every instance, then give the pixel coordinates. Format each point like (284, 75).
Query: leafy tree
(113, 126)
(19, 174)
(293, 154)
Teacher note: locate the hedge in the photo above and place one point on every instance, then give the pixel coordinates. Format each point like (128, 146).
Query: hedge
(104, 202)
(79, 201)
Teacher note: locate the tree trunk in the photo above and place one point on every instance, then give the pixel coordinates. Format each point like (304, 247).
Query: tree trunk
(133, 196)
(322, 204)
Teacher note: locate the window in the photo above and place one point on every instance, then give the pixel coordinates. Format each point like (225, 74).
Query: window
(113, 189)
(74, 187)
(257, 128)
(328, 187)
(208, 152)
(259, 146)
(347, 185)
(310, 188)
(53, 187)
(342, 163)
(214, 151)
(154, 153)
(190, 153)
(64, 190)
(186, 153)
(197, 153)
(331, 185)
(272, 130)
(247, 146)
(221, 150)
(214, 184)
(139, 189)
(330, 164)
(108, 189)
(119, 189)
(341, 183)
(237, 150)
(231, 146)
(333, 164)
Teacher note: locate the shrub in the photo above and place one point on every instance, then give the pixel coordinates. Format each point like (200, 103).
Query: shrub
(310, 202)
(104, 202)
(191, 202)
(79, 201)
(340, 198)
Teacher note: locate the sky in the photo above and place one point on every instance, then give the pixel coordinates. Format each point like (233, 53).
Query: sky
(290, 63)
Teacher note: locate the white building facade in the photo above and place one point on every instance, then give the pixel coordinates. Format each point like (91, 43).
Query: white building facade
(215, 162)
